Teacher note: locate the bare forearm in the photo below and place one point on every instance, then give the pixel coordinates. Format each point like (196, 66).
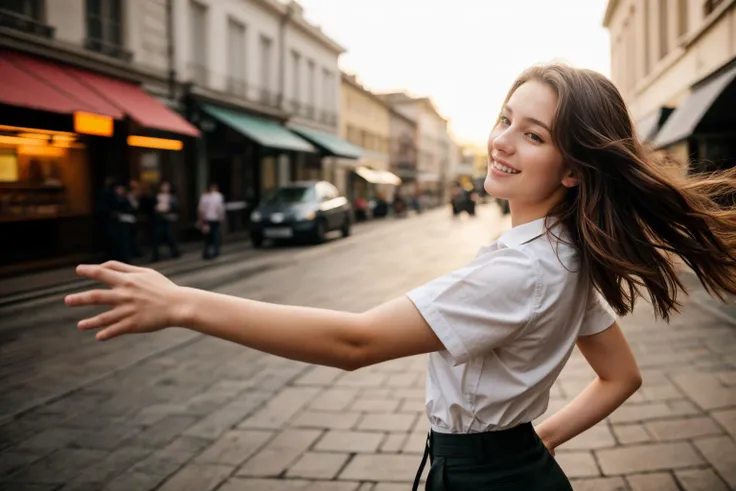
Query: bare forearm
(590, 407)
(306, 334)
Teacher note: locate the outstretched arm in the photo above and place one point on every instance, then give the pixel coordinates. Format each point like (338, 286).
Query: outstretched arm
(143, 300)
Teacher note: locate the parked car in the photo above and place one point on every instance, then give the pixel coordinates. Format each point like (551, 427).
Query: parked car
(301, 210)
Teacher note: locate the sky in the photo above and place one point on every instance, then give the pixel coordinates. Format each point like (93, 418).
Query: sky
(463, 53)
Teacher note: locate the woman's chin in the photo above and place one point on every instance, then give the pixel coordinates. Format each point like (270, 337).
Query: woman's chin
(492, 188)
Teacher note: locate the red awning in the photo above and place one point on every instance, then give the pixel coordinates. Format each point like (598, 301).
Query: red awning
(39, 84)
(141, 107)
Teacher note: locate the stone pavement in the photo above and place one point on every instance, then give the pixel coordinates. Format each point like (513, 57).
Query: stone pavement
(176, 411)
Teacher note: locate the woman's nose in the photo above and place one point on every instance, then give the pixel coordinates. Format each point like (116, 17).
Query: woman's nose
(502, 141)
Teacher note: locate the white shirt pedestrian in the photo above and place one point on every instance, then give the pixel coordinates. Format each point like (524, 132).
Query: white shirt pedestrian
(509, 321)
(212, 206)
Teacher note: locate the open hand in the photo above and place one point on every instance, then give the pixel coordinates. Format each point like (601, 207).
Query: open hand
(140, 299)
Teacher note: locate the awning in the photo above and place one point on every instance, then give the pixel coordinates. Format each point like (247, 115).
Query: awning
(683, 122)
(330, 144)
(263, 131)
(44, 85)
(378, 176)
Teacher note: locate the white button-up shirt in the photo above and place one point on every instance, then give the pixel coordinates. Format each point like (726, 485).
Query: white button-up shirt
(509, 321)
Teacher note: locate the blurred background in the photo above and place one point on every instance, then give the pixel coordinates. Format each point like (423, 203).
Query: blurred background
(246, 132)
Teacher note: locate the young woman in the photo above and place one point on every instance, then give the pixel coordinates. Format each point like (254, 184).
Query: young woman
(597, 223)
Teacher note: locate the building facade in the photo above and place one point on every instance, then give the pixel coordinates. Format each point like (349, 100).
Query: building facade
(675, 65)
(76, 112)
(433, 144)
(403, 150)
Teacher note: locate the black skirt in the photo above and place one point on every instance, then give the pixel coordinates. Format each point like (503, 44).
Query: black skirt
(507, 460)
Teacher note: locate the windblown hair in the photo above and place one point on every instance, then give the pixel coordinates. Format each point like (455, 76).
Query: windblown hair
(634, 212)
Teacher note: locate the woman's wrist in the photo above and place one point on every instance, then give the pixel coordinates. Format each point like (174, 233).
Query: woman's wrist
(182, 309)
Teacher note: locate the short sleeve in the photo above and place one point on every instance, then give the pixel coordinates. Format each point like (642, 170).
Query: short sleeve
(482, 306)
(598, 316)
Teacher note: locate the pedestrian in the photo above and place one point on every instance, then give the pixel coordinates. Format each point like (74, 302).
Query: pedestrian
(122, 220)
(211, 214)
(134, 198)
(165, 213)
(597, 223)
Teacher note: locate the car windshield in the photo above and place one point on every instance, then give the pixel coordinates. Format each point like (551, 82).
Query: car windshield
(301, 194)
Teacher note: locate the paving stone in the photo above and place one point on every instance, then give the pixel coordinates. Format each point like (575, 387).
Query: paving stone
(349, 441)
(235, 447)
(375, 405)
(138, 481)
(664, 392)
(728, 378)
(326, 420)
(319, 376)
(410, 394)
(393, 443)
(374, 393)
(112, 465)
(107, 438)
(683, 428)
(279, 453)
(647, 457)
(577, 464)
(318, 465)
(700, 480)
(334, 399)
(361, 378)
(381, 467)
(599, 436)
(631, 433)
(12, 462)
(28, 487)
(683, 407)
(246, 484)
(387, 422)
(415, 443)
(198, 478)
(658, 481)
(387, 486)
(183, 448)
(630, 413)
(706, 390)
(156, 464)
(163, 432)
(228, 416)
(720, 452)
(278, 411)
(599, 484)
(727, 419)
(60, 466)
(51, 439)
(403, 379)
(412, 406)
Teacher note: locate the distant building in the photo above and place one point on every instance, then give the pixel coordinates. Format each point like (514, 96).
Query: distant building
(433, 143)
(674, 62)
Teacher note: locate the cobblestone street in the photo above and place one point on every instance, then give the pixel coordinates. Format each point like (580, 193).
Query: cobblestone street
(177, 411)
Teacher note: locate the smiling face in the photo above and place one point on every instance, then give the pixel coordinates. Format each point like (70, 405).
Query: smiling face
(524, 166)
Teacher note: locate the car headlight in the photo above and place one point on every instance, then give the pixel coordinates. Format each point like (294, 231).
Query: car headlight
(307, 215)
(255, 216)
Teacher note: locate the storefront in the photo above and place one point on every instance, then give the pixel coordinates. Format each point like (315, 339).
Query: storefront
(246, 156)
(701, 132)
(63, 132)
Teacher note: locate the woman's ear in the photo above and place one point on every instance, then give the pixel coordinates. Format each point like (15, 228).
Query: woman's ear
(570, 180)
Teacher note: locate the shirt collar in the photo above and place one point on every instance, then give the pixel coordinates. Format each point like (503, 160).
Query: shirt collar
(521, 234)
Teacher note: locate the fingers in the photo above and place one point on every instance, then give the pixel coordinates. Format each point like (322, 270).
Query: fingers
(105, 319)
(101, 274)
(122, 267)
(117, 329)
(93, 297)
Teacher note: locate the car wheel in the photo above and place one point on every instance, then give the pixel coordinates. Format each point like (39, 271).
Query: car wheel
(257, 240)
(346, 225)
(320, 232)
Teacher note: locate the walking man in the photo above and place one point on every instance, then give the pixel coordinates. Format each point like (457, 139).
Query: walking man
(211, 214)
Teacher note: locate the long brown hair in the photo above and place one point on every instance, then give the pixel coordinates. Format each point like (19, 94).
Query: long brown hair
(634, 212)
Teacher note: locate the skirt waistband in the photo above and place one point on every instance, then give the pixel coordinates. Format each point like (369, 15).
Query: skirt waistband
(487, 444)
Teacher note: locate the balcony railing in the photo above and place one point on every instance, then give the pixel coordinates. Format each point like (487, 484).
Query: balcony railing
(113, 50)
(237, 87)
(199, 74)
(12, 20)
(328, 118)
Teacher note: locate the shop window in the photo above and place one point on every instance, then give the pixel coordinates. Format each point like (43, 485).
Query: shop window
(43, 181)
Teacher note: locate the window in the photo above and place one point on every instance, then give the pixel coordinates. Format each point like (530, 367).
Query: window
(311, 83)
(25, 15)
(104, 27)
(710, 5)
(31, 9)
(663, 38)
(327, 90)
(295, 76)
(198, 43)
(645, 36)
(682, 12)
(266, 48)
(236, 57)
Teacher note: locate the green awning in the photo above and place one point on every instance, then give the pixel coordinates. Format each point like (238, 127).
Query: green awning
(329, 144)
(265, 132)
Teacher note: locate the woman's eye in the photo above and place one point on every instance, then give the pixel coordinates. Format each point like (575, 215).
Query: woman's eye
(535, 137)
(504, 120)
